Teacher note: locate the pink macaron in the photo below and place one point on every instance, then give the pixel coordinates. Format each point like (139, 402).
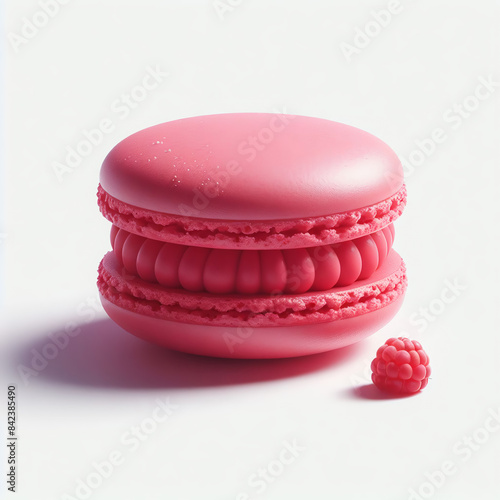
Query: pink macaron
(252, 235)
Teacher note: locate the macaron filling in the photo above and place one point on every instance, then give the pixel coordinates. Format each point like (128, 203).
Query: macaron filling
(234, 271)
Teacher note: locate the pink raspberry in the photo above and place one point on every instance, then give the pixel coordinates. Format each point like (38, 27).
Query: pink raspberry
(401, 366)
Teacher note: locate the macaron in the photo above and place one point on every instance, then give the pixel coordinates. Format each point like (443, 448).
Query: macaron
(252, 235)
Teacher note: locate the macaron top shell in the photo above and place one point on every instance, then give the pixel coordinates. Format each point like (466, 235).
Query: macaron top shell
(251, 166)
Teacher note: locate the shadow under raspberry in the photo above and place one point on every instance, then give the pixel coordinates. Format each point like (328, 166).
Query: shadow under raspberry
(370, 391)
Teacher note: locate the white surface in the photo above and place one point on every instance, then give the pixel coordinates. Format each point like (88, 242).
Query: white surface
(233, 417)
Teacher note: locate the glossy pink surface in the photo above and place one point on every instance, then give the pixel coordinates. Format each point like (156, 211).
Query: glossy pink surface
(254, 166)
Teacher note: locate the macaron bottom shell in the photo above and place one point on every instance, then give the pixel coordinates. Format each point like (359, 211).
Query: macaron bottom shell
(260, 326)
(252, 343)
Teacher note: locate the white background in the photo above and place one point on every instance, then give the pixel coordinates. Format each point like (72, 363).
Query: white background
(233, 417)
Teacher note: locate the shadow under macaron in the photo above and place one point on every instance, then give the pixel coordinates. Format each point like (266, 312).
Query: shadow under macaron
(104, 355)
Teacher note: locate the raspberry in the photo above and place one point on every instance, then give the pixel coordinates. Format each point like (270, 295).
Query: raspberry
(401, 366)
